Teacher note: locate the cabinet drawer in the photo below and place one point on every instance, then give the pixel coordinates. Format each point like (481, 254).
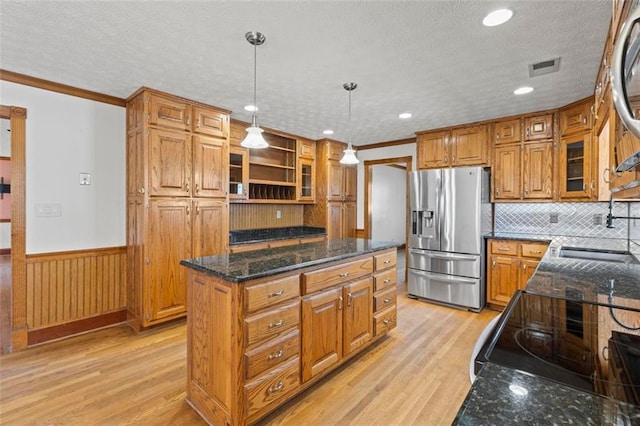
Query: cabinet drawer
(384, 260)
(269, 324)
(210, 122)
(575, 119)
(385, 299)
(535, 250)
(271, 354)
(504, 247)
(328, 277)
(270, 388)
(267, 294)
(385, 321)
(385, 279)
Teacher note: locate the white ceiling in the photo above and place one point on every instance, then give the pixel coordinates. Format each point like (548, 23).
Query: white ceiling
(431, 58)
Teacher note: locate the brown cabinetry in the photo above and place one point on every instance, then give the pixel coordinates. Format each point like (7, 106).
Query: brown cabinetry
(510, 265)
(460, 146)
(574, 166)
(336, 189)
(177, 206)
(253, 345)
(523, 160)
(576, 118)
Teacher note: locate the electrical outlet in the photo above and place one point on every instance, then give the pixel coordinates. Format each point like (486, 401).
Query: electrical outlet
(553, 218)
(278, 214)
(597, 219)
(48, 210)
(85, 178)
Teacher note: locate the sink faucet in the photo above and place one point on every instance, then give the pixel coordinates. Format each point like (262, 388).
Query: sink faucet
(610, 216)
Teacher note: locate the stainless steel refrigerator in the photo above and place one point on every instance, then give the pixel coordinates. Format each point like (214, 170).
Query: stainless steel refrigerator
(450, 213)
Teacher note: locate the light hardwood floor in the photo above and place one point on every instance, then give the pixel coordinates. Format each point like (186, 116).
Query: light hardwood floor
(417, 375)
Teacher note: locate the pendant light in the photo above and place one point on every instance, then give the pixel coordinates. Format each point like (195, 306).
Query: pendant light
(349, 156)
(254, 138)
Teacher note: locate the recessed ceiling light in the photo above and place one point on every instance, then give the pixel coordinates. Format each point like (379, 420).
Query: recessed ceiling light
(405, 115)
(523, 90)
(327, 132)
(497, 17)
(250, 108)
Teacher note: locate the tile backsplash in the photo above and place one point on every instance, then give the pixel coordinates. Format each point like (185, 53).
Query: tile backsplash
(634, 228)
(569, 219)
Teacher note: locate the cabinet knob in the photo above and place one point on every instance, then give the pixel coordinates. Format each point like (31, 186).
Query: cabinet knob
(527, 132)
(584, 119)
(386, 300)
(606, 175)
(386, 321)
(276, 324)
(493, 264)
(141, 190)
(276, 388)
(277, 293)
(349, 299)
(197, 187)
(446, 159)
(276, 354)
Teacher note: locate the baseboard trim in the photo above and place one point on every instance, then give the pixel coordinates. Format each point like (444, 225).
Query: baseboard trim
(5, 251)
(69, 329)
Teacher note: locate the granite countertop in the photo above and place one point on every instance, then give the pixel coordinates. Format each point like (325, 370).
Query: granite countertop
(240, 267)
(272, 234)
(505, 396)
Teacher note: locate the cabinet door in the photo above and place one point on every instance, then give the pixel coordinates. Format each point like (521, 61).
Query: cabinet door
(350, 183)
(537, 171)
(238, 173)
(306, 149)
(575, 166)
(506, 132)
(210, 122)
(169, 241)
(469, 146)
(538, 127)
(321, 332)
(135, 260)
(335, 181)
(433, 150)
(210, 167)
(210, 227)
(575, 119)
(306, 180)
(358, 314)
(334, 219)
(527, 268)
(135, 164)
(502, 279)
(506, 173)
(170, 163)
(349, 220)
(168, 112)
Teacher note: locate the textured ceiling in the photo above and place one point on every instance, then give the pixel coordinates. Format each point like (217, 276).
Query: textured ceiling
(431, 58)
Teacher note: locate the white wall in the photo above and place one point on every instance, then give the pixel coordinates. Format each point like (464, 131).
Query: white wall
(388, 204)
(378, 154)
(67, 135)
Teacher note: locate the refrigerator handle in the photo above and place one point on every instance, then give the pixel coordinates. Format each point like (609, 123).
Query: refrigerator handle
(416, 222)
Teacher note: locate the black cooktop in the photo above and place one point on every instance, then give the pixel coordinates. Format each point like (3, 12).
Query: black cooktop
(589, 346)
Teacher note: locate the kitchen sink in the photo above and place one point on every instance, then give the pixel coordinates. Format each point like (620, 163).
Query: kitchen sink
(616, 256)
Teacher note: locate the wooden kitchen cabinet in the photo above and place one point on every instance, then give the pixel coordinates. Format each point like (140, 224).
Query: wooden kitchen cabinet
(177, 183)
(575, 179)
(511, 263)
(538, 127)
(537, 171)
(253, 345)
(238, 173)
(507, 172)
(336, 193)
(460, 146)
(576, 118)
(239, 248)
(507, 132)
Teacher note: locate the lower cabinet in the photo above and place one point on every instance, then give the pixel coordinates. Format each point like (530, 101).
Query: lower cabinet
(511, 263)
(251, 346)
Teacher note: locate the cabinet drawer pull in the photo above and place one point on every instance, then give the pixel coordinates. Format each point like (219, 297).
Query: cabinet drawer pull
(276, 354)
(386, 300)
(386, 262)
(386, 321)
(344, 274)
(503, 248)
(387, 281)
(276, 388)
(276, 324)
(535, 251)
(277, 293)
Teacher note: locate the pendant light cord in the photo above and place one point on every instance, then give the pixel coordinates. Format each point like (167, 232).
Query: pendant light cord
(255, 83)
(349, 128)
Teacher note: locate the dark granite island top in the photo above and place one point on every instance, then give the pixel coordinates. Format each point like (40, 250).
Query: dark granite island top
(240, 267)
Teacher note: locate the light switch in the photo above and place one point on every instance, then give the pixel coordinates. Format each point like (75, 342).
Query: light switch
(278, 214)
(553, 217)
(85, 178)
(48, 210)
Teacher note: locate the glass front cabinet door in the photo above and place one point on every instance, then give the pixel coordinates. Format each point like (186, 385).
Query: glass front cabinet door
(575, 177)
(238, 173)
(306, 180)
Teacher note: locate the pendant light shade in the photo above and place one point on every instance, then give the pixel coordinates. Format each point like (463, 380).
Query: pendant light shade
(254, 138)
(349, 156)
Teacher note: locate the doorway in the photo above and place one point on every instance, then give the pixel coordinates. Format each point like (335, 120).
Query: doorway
(386, 203)
(13, 326)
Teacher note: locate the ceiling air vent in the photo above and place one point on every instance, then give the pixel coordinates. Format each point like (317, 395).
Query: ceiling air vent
(544, 67)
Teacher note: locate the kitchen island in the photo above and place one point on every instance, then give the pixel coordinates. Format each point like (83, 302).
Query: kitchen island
(264, 325)
(579, 321)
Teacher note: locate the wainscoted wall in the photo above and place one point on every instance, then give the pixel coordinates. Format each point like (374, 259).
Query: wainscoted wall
(262, 216)
(70, 286)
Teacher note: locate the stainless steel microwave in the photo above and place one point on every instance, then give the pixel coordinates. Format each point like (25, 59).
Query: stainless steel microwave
(625, 84)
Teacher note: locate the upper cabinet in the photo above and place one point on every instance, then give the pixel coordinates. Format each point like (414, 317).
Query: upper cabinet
(576, 118)
(461, 146)
(575, 163)
(538, 127)
(506, 132)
